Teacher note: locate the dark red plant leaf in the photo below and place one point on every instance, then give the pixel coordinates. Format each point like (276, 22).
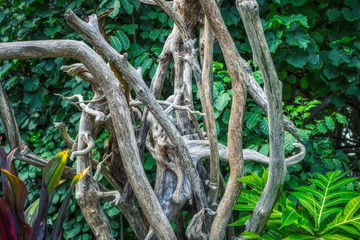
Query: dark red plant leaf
(39, 227)
(7, 231)
(15, 195)
(9, 165)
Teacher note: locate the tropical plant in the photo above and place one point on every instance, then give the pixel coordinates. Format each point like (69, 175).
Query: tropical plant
(326, 209)
(32, 224)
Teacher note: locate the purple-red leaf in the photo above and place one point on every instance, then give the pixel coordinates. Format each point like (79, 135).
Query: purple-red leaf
(7, 231)
(40, 222)
(15, 195)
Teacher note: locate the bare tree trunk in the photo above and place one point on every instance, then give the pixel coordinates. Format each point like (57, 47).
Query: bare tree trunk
(249, 11)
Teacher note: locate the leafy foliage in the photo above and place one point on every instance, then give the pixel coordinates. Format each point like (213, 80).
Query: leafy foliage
(15, 196)
(326, 197)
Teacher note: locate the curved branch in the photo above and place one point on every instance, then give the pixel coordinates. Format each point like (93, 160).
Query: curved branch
(90, 145)
(200, 149)
(119, 112)
(91, 32)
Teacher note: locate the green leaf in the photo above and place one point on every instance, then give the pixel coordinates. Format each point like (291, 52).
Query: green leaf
(331, 72)
(31, 84)
(273, 40)
(53, 170)
(298, 38)
(116, 7)
(15, 193)
(154, 34)
(226, 116)
(146, 64)
(339, 56)
(289, 139)
(129, 28)
(4, 69)
(222, 101)
(301, 19)
(264, 149)
(115, 43)
(335, 237)
(288, 217)
(321, 127)
(264, 125)
(31, 212)
(297, 59)
(127, 6)
(341, 118)
(64, 209)
(330, 123)
(250, 235)
(241, 221)
(253, 120)
(125, 42)
(298, 237)
(162, 17)
(334, 15)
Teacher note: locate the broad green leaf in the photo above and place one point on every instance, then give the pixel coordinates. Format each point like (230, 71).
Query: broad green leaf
(58, 225)
(339, 56)
(116, 7)
(341, 118)
(301, 19)
(53, 170)
(264, 149)
(351, 208)
(296, 60)
(154, 34)
(129, 28)
(4, 69)
(273, 40)
(241, 221)
(250, 235)
(32, 211)
(31, 84)
(289, 139)
(308, 201)
(146, 64)
(127, 6)
(125, 42)
(115, 43)
(226, 116)
(264, 125)
(321, 127)
(298, 237)
(244, 208)
(311, 190)
(288, 217)
(334, 15)
(222, 101)
(335, 237)
(253, 120)
(162, 17)
(298, 38)
(254, 181)
(330, 123)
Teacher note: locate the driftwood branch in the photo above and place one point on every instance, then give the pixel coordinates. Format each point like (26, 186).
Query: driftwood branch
(249, 11)
(91, 32)
(116, 99)
(207, 81)
(237, 74)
